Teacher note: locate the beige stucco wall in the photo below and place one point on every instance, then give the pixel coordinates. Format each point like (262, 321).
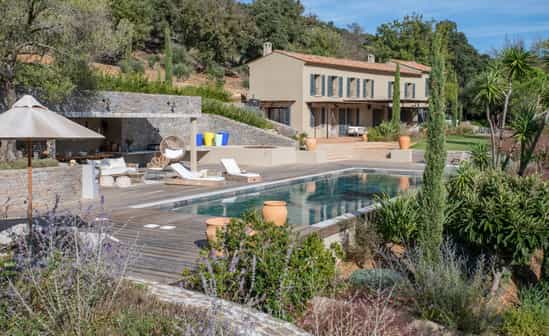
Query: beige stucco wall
(278, 77)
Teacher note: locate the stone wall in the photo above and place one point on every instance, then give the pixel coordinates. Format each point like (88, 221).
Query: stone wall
(247, 321)
(152, 130)
(109, 104)
(242, 134)
(47, 184)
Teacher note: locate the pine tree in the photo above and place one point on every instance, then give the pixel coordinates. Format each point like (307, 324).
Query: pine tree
(168, 56)
(433, 196)
(396, 98)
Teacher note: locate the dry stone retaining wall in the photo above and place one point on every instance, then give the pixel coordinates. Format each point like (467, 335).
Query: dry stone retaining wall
(47, 184)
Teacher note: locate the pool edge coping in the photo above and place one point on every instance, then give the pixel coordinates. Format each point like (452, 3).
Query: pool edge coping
(161, 204)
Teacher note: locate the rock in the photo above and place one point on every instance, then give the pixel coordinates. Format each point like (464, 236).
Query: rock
(396, 249)
(248, 321)
(8, 236)
(536, 263)
(429, 328)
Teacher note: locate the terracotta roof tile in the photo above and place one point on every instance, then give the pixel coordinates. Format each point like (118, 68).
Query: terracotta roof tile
(347, 63)
(413, 65)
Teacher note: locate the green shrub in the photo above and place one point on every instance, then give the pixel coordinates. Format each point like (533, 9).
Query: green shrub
(216, 73)
(22, 164)
(396, 219)
(386, 131)
(366, 242)
(264, 266)
(480, 157)
(182, 71)
(139, 83)
(531, 318)
(240, 114)
(499, 214)
(152, 60)
(447, 291)
(375, 278)
(132, 65)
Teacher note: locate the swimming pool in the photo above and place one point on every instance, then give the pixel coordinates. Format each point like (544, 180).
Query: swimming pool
(310, 200)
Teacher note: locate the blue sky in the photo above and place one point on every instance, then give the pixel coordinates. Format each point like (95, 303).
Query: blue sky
(487, 23)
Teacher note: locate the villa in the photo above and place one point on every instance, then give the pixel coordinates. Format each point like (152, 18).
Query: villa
(323, 96)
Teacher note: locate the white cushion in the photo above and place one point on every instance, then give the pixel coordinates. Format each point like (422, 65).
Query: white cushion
(231, 166)
(173, 154)
(117, 163)
(187, 174)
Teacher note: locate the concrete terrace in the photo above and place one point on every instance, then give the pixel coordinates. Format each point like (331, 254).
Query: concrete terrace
(164, 253)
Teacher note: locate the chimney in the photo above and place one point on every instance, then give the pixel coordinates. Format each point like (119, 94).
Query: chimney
(371, 58)
(267, 48)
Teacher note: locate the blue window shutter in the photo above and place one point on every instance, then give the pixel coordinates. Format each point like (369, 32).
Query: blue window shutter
(364, 82)
(340, 87)
(323, 79)
(390, 89)
(414, 90)
(311, 118)
(348, 87)
(330, 86)
(372, 94)
(426, 87)
(358, 88)
(313, 89)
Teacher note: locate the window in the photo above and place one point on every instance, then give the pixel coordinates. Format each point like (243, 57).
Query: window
(409, 90)
(368, 88)
(427, 88)
(279, 114)
(353, 87)
(390, 89)
(318, 85)
(334, 83)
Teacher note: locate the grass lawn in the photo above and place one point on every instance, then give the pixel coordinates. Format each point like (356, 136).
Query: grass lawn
(457, 142)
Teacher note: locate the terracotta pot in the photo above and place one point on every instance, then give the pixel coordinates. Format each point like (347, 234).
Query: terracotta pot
(404, 142)
(404, 183)
(310, 187)
(310, 144)
(275, 212)
(365, 137)
(214, 224)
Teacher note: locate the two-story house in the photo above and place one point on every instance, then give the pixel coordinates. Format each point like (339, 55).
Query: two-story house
(322, 96)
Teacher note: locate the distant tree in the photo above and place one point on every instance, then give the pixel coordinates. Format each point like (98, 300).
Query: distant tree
(452, 96)
(396, 97)
(168, 56)
(322, 41)
(516, 64)
(433, 195)
(279, 21)
(139, 13)
(68, 33)
(489, 88)
(408, 39)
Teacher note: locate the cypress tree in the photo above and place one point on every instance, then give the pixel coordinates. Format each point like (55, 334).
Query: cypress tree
(168, 56)
(396, 98)
(433, 195)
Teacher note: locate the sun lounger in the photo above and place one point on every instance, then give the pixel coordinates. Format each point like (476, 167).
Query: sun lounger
(233, 172)
(186, 177)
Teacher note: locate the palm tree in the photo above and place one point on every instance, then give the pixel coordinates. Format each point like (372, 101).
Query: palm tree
(516, 63)
(489, 87)
(528, 127)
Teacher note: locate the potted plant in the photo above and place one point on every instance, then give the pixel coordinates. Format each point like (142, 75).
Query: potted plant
(214, 224)
(404, 139)
(275, 212)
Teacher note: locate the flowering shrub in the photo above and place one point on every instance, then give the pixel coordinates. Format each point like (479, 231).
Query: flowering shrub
(69, 280)
(264, 266)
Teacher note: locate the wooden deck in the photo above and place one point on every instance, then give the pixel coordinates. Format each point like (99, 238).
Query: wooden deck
(163, 253)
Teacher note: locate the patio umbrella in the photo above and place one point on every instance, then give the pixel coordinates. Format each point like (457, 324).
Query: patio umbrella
(29, 120)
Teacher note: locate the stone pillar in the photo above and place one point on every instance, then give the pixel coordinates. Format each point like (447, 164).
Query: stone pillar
(194, 131)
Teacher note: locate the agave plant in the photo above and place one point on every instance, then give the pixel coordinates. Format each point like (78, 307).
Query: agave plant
(528, 127)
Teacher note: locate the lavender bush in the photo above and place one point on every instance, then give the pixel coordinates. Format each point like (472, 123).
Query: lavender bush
(69, 279)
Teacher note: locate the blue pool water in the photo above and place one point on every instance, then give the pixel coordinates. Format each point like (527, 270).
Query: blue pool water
(311, 201)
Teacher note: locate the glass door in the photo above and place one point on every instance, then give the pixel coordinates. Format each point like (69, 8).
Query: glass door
(342, 122)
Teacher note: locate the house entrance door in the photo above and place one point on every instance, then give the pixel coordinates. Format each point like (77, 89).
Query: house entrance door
(378, 116)
(342, 122)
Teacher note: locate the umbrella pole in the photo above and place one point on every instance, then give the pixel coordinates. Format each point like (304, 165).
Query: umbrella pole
(29, 184)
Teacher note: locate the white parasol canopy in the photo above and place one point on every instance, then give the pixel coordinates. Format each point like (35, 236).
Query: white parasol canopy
(28, 119)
